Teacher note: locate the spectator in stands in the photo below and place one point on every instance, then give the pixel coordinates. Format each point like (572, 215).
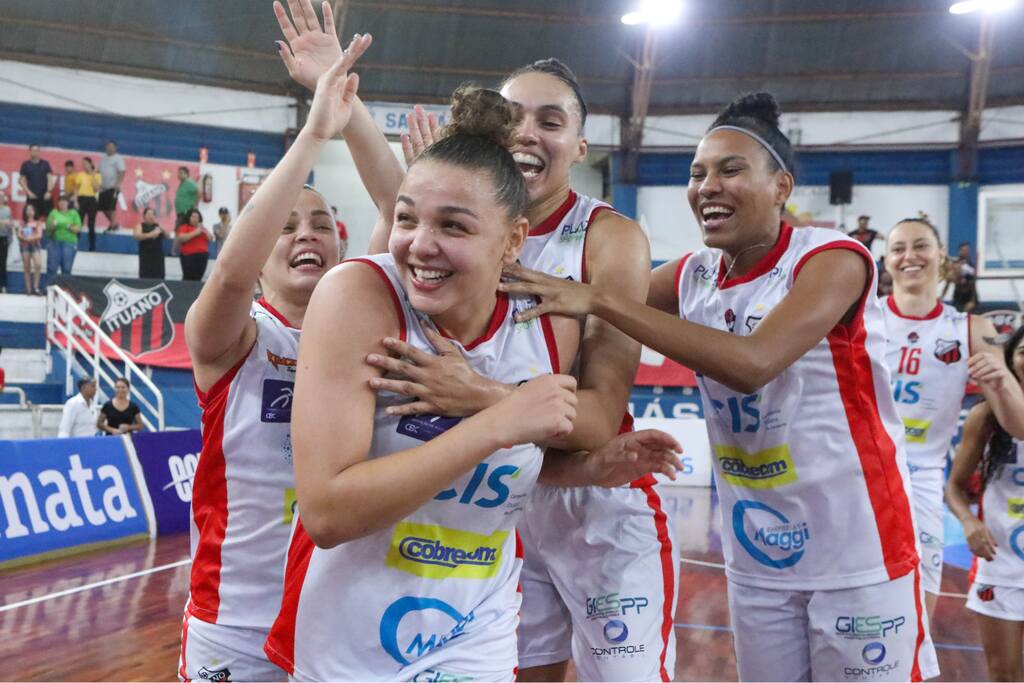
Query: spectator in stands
(37, 181)
(62, 228)
(872, 240)
(111, 177)
(120, 414)
(193, 242)
(87, 187)
(222, 228)
(79, 416)
(187, 196)
(6, 229)
(150, 236)
(3, 375)
(342, 232)
(962, 276)
(70, 179)
(30, 240)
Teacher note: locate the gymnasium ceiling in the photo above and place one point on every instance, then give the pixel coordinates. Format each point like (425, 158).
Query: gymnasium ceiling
(814, 54)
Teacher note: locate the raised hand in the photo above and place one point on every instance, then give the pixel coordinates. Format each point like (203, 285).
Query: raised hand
(308, 50)
(562, 297)
(423, 130)
(985, 368)
(335, 90)
(632, 455)
(443, 384)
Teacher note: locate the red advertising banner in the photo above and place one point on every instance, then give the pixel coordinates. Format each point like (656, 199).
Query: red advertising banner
(145, 319)
(148, 183)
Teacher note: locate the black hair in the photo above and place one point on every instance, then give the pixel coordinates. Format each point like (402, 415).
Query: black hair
(69, 162)
(83, 381)
(963, 244)
(188, 216)
(478, 137)
(89, 159)
(34, 144)
(1001, 449)
(923, 221)
(759, 113)
(125, 380)
(184, 168)
(553, 66)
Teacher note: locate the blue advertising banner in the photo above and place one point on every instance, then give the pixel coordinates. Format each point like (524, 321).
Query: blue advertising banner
(56, 494)
(169, 462)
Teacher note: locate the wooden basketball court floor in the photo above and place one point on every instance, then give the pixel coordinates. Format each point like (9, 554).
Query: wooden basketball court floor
(115, 614)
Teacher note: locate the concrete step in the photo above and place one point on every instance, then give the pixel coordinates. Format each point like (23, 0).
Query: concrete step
(97, 264)
(25, 365)
(21, 423)
(19, 308)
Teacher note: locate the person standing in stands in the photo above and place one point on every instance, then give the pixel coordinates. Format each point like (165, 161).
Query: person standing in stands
(62, 228)
(120, 414)
(70, 179)
(187, 196)
(150, 236)
(6, 228)
(86, 188)
(37, 181)
(30, 241)
(962, 275)
(222, 228)
(111, 177)
(193, 242)
(79, 415)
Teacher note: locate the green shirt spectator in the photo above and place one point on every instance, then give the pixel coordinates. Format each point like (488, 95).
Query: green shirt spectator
(187, 196)
(60, 225)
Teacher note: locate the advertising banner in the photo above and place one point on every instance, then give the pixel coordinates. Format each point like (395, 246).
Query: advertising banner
(58, 494)
(145, 320)
(169, 462)
(148, 182)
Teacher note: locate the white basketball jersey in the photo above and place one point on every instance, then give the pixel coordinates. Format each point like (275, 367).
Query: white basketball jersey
(1002, 509)
(244, 484)
(556, 246)
(927, 359)
(396, 602)
(811, 468)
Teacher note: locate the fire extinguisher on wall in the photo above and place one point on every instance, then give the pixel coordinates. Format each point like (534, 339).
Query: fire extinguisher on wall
(207, 185)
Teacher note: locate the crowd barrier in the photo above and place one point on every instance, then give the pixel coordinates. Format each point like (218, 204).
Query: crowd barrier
(60, 496)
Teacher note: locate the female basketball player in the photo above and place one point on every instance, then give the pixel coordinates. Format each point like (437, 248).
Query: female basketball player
(788, 340)
(563, 529)
(995, 535)
(932, 350)
(244, 359)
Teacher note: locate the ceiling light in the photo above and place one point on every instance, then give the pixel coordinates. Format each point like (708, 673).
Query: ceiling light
(655, 13)
(968, 6)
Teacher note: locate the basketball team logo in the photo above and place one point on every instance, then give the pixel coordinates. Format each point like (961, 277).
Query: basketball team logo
(948, 351)
(1005, 322)
(138, 320)
(730, 320)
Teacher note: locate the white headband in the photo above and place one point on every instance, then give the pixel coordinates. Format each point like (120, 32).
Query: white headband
(761, 140)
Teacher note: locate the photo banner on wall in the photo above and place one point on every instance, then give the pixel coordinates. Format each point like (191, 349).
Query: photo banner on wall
(148, 183)
(169, 461)
(146, 320)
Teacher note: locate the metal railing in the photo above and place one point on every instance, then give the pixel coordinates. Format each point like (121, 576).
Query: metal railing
(19, 392)
(90, 352)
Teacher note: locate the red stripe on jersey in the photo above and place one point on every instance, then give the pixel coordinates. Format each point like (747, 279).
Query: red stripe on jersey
(210, 498)
(497, 317)
(183, 668)
(586, 236)
(648, 479)
(875, 449)
(679, 275)
(280, 645)
(915, 672)
(551, 222)
(391, 290)
(274, 312)
(549, 339)
(931, 315)
(667, 573)
(520, 554)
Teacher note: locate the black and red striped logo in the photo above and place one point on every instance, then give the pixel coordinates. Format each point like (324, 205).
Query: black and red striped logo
(138, 320)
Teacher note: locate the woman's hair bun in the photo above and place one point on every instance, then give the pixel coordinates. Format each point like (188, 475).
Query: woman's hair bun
(482, 112)
(755, 105)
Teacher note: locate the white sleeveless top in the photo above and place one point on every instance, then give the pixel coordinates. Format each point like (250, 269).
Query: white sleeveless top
(927, 358)
(811, 469)
(1002, 510)
(445, 576)
(244, 484)
(557, 245)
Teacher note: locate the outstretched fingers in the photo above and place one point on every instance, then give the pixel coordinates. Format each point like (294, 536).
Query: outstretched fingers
(287, 29)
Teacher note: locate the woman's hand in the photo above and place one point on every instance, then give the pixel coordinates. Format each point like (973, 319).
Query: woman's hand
(539, 410)
(423, 130)
(442, 383)
(335, 90)
(307, 50)
(979, 539)
(986, 369)
(632, 455)
(562, 297)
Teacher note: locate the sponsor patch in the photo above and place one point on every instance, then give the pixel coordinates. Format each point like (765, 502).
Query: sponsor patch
(761, 470)
(426, 427)
(277, 400)
(917, 430)
(437, 552)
